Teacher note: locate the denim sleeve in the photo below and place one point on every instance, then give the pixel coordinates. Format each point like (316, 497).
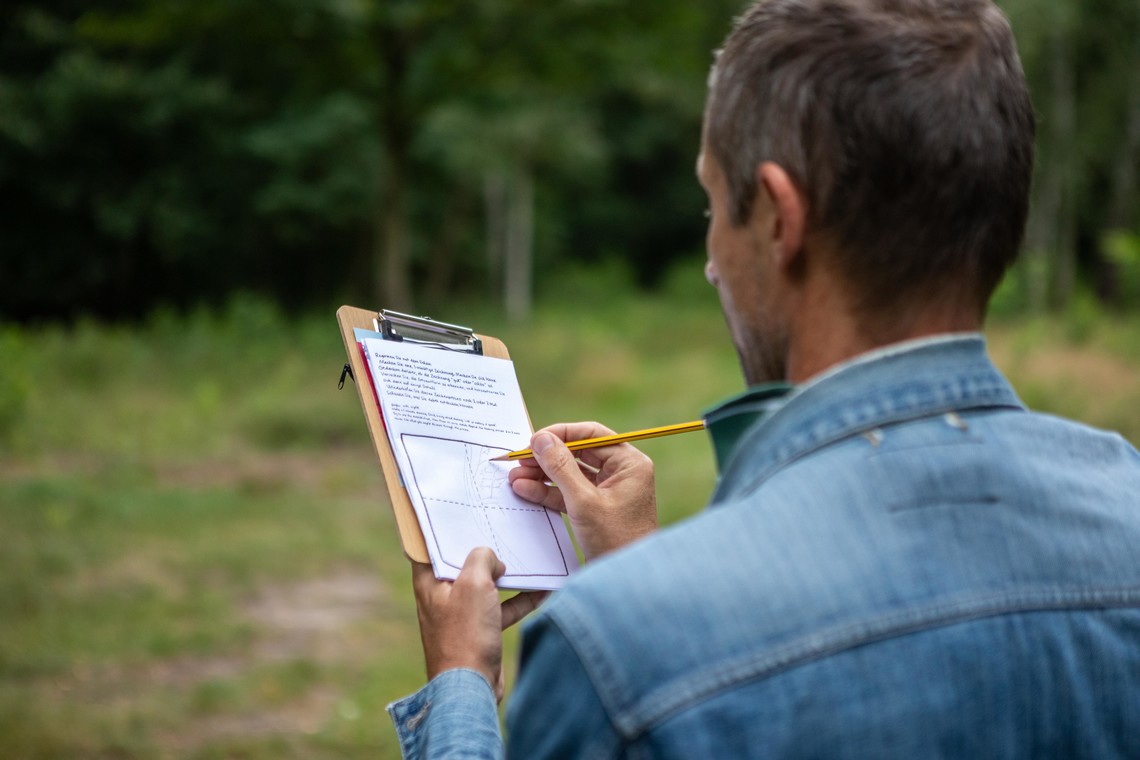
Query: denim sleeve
(454, 716)
(555, 711)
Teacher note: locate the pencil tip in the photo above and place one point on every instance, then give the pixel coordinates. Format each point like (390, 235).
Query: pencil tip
(502, 458)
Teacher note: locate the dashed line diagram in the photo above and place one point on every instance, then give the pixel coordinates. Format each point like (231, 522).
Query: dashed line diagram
(469, 502)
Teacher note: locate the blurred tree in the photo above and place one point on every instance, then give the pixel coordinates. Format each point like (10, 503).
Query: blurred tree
(1082, 58)
(408, 151)
(172, 152)
(154, 151)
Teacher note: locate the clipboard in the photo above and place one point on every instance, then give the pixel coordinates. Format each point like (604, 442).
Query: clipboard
(393, 325)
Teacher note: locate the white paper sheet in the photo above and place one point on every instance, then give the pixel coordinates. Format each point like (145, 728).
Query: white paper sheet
(447, 413)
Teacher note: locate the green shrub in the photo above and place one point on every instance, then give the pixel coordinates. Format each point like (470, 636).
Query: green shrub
(15, 382)
(1123, 250)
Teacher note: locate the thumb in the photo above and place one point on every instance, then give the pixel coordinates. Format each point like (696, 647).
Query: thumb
(482, 560)
(558, 463)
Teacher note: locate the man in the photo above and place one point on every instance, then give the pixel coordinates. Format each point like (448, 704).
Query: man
(899, 559)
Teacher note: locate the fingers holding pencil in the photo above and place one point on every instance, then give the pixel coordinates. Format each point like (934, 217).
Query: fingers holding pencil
(607, 509)
(533, 484)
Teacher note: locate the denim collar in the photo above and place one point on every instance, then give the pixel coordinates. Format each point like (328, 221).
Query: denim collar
(731, 419)
(757, 433)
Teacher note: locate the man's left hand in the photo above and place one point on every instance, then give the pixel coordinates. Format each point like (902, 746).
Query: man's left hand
(462, 621)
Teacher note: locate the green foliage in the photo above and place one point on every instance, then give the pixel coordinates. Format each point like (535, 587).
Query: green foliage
(1123, 251)
(155, 152)
(1082, 316)
(15, 382)
(1082, 61)
(306, 188)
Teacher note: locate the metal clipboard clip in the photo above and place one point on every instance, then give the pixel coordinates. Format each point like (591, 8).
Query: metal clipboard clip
(425, 331)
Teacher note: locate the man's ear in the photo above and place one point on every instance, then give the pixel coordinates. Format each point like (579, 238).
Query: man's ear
(790, 209)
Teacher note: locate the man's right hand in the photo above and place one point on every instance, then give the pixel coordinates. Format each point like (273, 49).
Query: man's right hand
(608, 509)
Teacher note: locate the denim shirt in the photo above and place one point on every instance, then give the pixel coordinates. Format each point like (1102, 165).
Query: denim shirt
(899, 560)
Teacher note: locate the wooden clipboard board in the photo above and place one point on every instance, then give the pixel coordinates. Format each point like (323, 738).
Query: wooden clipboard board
(350, 318)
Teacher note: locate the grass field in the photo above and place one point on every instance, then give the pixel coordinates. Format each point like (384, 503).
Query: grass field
(197, 558)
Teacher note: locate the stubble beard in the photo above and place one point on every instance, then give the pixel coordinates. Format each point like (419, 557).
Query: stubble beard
(763, 356)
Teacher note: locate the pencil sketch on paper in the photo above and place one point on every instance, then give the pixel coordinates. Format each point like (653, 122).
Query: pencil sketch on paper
(469, 502)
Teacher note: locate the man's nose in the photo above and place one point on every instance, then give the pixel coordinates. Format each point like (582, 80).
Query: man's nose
(710, 273)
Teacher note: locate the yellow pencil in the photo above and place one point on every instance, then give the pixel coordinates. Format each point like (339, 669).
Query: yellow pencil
(609, 440)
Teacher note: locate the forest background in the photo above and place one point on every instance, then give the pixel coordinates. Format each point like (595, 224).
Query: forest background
(156, 153)
(196, 560)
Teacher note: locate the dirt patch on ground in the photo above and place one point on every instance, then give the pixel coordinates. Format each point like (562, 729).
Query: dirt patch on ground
(115, 687)
(304, 716)
(328, 620)
(314, 619)
(348, 469)
(53, 465)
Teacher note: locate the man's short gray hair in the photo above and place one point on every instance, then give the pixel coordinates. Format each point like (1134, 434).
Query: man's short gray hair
(907, 124)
